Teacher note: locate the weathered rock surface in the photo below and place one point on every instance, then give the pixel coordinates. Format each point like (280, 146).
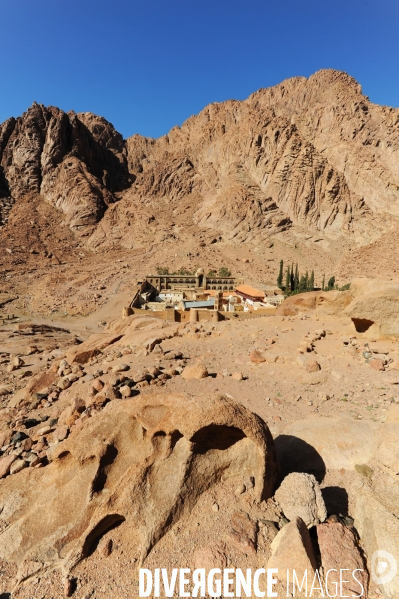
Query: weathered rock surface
(146, 461)
(292, 550)
(299, 496)
(77, 162)
(371, 305)
(339, 549)
(370, 452)
(195, 371)
(312, 155)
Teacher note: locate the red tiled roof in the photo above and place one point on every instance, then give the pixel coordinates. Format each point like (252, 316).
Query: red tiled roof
(247, 290)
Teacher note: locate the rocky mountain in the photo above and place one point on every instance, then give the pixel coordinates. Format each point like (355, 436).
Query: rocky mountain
(309, 160)
(77, 163)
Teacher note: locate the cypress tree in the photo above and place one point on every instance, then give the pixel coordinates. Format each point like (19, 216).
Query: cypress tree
(307, 281)
(311, 282)
(292, 281)
(287, 281)
(280, 275)
(302, 284)
(296, 278)
(323, 283)
(331, 283)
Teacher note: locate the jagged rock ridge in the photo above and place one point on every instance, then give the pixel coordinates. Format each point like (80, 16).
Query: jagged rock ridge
(312, 155)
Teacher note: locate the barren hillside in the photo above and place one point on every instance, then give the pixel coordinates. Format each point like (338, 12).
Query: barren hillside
(306, 171)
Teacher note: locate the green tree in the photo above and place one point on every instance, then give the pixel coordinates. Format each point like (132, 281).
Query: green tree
(224, 272)
(211, 274)
(323, 283)
(345, 287)
(302, 284)
(287, 281)
(162, 270)
(280, 275)
(296, 278)
(311, 281)
(292, 281)
(331, 283)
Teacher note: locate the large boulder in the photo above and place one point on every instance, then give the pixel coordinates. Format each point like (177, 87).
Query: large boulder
(145, 460)
(371, 306)
(367, 455)
(134, 331)
(374, 310)
(292, 550)
(339, 548)
(324, 303)
(299, 495)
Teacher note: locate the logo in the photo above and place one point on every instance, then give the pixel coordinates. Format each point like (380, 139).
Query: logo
(383, 567)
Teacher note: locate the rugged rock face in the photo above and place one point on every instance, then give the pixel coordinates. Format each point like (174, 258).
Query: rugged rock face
(314, 156)
(145, 460)
(371, 305)
(77, 162)
(306, 153)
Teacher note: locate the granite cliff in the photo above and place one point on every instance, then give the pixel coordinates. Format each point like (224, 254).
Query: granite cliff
(309, 161)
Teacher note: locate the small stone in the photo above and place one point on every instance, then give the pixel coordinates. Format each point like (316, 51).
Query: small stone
(31, 349)
(18, 465)
(105, 547)
(6, 463)
(69, 585)
(364, 470)
(125, 391)
(299, 495)
(17, 362)
(78, 405)
(333, 519)
(18, 436)
(60, 433)
(195, 371)
(142, 384)
(377, 364)
(312, 366)
(243, 533)
(256, 357)
(97, 385)
(63, 383)
(237, 376)
(34, 460)
(120, 368)
(152, 343)
(215, 507)
(140, 376)
(240, 490)
(43, 431)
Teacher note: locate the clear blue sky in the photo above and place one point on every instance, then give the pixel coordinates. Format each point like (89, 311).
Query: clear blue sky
(147, 66)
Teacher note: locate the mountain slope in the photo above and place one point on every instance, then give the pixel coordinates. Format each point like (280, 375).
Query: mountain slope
(309, 161)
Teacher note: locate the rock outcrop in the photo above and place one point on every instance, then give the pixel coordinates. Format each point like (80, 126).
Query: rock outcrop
(314, 156)
(299, 496)
(145, 460)
(292, 550)
(370, 305)
(76, 162)
(368, 451)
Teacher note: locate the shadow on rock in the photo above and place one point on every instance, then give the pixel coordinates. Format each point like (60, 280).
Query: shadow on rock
(336, 500)
(295, 455)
